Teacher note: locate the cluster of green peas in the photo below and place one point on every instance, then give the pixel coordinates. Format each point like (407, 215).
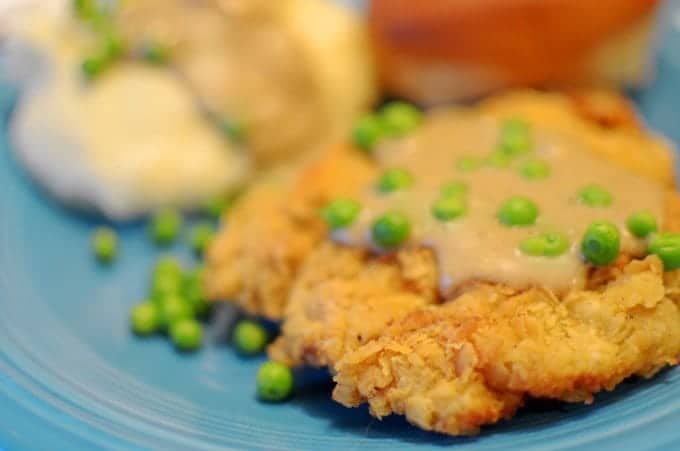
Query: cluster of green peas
(600, 244)
(176, 302)
(174, 306)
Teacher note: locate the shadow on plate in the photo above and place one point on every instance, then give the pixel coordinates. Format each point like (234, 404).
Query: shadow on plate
(314, 388)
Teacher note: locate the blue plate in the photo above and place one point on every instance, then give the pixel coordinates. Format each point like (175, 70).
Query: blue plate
(73, 377)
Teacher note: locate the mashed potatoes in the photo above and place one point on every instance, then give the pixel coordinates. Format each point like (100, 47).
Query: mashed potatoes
(135, 139)
(125, 144)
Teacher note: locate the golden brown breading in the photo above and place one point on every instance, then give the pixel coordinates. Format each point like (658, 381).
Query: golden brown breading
(345, 297)
(434, 364)
(255, 259)
(470, 361)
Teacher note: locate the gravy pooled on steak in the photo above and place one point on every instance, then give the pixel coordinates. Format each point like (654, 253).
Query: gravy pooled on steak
(484, 165)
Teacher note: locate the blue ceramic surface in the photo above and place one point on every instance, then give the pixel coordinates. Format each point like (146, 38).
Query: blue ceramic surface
(73, 378)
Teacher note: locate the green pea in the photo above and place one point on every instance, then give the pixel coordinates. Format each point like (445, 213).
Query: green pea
(192, 289)
(145, 318)
(249, 337)
(550, 244)
(174, 308)
(197, 273)
(667, 247)
(518, 211)
(114, 46)
(93, 66)
(202, 235)
(449, 208)
(399, 118)
(340, 213)
(166, 278)
(556, 244)
(367, 133)
(168, 265)
(274, 382)
(469, 163)
(164, 286)
(595, 196)
(533, 246)
(186, 334)
(601, 243)
(217, 206)
(391, 229)
(155, 53)
(515, 126)
(515, 137)
(454, 188)
(235, 131)
(83, 9)
(641, 223)
(105, 244)
(394, 179)
(534, 170)
(165, 225)
(499, 160)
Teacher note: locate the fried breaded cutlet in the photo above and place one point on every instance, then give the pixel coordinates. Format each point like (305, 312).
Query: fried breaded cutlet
(452, 362)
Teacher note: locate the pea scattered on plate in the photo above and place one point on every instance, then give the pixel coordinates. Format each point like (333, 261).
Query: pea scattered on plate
(165, 225)
(214, 208)
(174, 308)
(274, 382)
(105, 244)
(249, 337)
(145, 318)
(202, 235)
(186, 334)
(192, 289)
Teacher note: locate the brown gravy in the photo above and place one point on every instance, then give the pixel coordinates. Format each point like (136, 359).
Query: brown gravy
(476, 245)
